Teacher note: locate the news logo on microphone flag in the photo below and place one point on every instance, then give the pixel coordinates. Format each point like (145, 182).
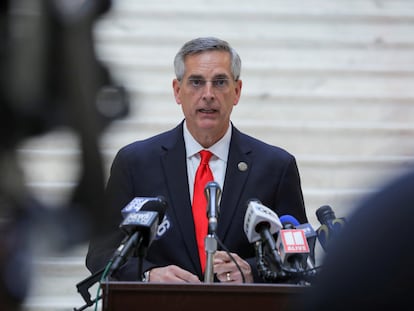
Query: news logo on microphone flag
(293, 241)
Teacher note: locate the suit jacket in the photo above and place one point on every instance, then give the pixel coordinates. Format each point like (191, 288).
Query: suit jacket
(157, 166)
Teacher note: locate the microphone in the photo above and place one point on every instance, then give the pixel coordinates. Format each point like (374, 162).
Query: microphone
(142, 217)
(260, 223)
(155, 204)
(212, 192)
(290, 222)
(293, 248)
(260, 220)
(311, 237)
(144, 222)
(330, 226)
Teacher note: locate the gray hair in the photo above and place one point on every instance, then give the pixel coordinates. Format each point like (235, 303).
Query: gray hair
(200, 45)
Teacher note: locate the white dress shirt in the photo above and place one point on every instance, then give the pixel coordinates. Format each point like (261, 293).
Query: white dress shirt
(218, 161)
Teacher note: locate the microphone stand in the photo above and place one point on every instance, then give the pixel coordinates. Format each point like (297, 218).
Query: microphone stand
(211, 248)
(85, 285)
(212, 192)
(83, 289)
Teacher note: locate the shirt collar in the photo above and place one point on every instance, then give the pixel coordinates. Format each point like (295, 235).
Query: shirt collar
(220, 149)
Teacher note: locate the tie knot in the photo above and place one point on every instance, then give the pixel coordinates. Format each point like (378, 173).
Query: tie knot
(205, 156)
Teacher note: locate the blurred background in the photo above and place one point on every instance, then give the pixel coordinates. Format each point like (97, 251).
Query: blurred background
(330, 81)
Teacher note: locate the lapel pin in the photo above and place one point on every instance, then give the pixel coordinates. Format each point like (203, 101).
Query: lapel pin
(242, 166)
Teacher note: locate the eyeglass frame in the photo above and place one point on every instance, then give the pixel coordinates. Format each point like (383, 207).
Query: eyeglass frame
(214, 82)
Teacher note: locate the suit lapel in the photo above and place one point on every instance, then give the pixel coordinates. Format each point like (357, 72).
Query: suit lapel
(238, 169)
(175, 169)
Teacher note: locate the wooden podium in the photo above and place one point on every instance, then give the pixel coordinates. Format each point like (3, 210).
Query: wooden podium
(133, 296)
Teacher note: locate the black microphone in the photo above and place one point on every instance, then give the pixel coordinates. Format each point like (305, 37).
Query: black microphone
(140, 225)
(155, 204)
(330, 226)
(311, 237)
(212, 192)
(141, 228)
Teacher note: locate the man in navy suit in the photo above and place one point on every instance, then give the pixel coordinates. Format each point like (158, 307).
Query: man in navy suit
(207, 86)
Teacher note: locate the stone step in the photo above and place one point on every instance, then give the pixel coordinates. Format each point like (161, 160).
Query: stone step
(317, 171)
(55, 303)
(272, 25)
(54, 279)
(312, 84)
(299, 137)
(283, 107)
(128, 57)
(315, 9)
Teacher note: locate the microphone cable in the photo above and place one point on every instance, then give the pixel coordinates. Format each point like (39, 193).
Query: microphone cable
(285, 273)
(230, 255)
(103, 277)
(262, 267)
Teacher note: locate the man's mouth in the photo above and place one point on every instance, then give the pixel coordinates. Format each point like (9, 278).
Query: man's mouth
(207, 110)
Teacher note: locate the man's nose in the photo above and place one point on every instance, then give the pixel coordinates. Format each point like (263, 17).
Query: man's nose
(208, 91)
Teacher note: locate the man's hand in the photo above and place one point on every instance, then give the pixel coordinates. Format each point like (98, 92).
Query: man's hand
(172, 274)
(227, 271)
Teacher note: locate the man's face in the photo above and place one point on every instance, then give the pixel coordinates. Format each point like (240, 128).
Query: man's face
(207, 93)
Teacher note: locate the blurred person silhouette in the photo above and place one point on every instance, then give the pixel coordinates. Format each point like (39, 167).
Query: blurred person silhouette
(50, 79)
(207, 87)
(369, 265)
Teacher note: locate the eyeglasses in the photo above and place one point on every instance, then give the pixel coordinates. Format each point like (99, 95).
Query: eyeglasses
(220, 84)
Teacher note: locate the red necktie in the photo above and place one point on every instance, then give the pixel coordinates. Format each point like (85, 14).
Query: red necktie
(202, 177)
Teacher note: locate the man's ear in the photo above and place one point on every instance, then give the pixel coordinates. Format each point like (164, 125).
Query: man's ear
(238, 89)
(177, 87)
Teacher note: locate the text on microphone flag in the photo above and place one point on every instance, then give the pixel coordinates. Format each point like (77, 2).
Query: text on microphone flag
(143, 218)
(134, 206)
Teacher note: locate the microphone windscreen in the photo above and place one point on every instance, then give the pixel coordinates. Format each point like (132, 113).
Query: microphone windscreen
(257, 215)
(324, 214)
(287, 220)
(330, 226)
(158, 205)
(155, 204)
